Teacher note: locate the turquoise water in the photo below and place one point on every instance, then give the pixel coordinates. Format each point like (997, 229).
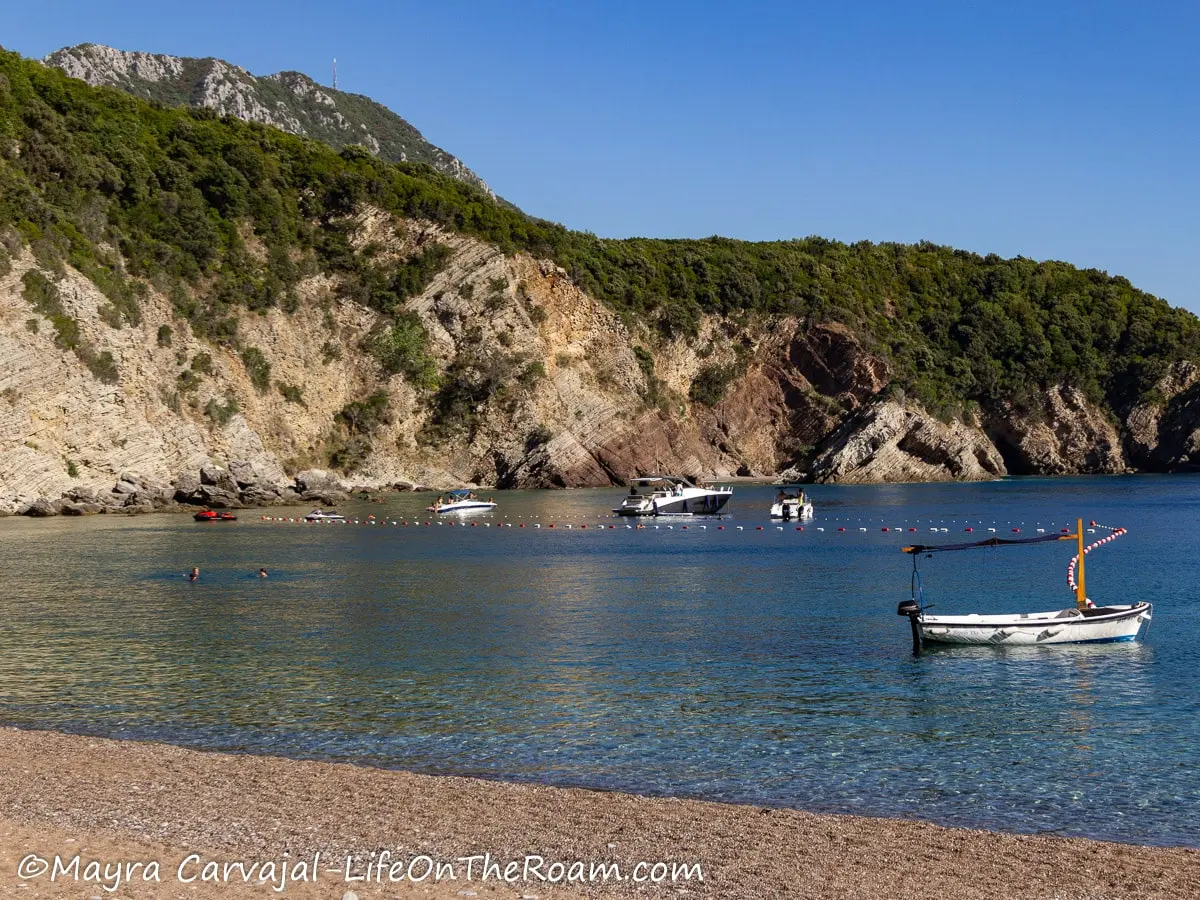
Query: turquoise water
(758, 666)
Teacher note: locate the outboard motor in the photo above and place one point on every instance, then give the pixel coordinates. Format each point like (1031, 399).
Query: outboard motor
(912, 609)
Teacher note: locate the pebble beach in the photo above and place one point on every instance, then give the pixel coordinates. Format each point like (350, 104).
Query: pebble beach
(116, 802)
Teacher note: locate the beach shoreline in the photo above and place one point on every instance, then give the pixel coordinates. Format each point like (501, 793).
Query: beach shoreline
(115, 801)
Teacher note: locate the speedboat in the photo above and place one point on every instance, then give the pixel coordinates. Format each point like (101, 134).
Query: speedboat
(791, 507)
(320, 516)
(1083, 623)
(211, 515)
(460, 501)
(672, 495)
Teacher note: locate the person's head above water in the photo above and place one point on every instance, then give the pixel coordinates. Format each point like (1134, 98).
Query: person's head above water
(194, 574)
(262, 573)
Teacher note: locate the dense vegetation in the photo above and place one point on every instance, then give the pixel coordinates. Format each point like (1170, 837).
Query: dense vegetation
(178, 193)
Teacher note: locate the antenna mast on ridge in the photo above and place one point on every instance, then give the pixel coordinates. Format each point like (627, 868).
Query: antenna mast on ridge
(335, 73)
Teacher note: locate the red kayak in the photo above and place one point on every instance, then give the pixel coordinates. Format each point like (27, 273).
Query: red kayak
(210, 515)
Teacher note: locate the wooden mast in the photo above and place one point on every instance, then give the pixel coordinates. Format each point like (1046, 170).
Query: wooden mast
(1080, 592)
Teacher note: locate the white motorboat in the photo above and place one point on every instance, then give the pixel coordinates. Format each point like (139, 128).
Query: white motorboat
(318, 515)
(460, 501)
(672, 495)
(791, 507)
(1083, 623)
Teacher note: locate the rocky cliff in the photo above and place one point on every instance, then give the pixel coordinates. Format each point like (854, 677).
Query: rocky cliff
(289, 101)
(556, 390)
(195, 310)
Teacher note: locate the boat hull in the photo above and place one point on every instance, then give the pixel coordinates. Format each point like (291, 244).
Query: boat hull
(792, 512)
(464, 507)
(708, 503)
(1069, 626)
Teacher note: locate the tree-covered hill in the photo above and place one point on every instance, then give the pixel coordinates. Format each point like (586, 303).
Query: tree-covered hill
(126, 189)
(288, 100)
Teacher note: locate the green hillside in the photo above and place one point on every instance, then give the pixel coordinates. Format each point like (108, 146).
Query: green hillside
(288, 100)
(125, 189)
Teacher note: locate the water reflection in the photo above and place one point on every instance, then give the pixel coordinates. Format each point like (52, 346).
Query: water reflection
(758, 666)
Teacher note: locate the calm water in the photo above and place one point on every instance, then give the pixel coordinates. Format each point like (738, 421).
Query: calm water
(767, 666)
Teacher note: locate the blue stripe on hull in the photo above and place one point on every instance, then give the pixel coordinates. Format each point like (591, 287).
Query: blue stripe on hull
(1107, 640)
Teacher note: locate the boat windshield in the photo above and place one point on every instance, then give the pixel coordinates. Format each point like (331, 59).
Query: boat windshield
(663, 483)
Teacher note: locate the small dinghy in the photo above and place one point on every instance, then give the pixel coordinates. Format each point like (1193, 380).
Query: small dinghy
(210, 515)
(1083, 623)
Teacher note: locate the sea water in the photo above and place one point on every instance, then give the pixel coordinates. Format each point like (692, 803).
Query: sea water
(716, 661)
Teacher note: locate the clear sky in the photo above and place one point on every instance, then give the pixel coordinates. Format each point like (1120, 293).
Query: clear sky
(1066, 130)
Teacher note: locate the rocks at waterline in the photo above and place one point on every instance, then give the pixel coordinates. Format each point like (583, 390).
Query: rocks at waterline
(238, 486)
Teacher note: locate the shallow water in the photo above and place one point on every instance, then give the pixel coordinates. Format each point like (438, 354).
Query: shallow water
(763, 666)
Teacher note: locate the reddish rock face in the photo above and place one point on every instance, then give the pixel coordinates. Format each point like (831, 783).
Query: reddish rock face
(793, 395)
(833, 362)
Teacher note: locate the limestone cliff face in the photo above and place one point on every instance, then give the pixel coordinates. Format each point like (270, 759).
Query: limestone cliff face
(554, 389)
(1164, 429)
(287, 100)
(1066, 434)
(886, 442)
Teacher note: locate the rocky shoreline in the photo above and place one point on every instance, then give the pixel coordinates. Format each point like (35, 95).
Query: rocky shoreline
(239, 486)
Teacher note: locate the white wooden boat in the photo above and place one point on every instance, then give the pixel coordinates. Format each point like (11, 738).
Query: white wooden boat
(1083, 623)
(791, 507)
(672, 495)
(460, 501)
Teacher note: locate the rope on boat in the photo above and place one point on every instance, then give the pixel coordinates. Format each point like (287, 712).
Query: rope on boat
(1116, 533)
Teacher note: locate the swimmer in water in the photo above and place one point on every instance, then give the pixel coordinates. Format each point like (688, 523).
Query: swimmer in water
(262, 573)
(194, 575)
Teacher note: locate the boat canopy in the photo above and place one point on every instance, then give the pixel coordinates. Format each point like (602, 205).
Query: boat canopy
(990, 542)
(460, 493)
(662, 479)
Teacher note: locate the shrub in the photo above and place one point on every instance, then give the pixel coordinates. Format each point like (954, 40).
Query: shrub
(532, 373)
(102, 365)
(711, 383)
(291, 393)
(188, 381)
(655, 392)
(42, 295)
(362, 417)
(401, 350)
(220, 412)
(257, 368)
(164, 335)
(202, 364)
(349, 455)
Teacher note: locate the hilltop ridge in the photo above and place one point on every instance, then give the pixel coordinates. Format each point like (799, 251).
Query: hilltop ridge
(290, 101)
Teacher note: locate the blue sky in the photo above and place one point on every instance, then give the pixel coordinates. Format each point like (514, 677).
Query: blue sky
(1050, 130)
